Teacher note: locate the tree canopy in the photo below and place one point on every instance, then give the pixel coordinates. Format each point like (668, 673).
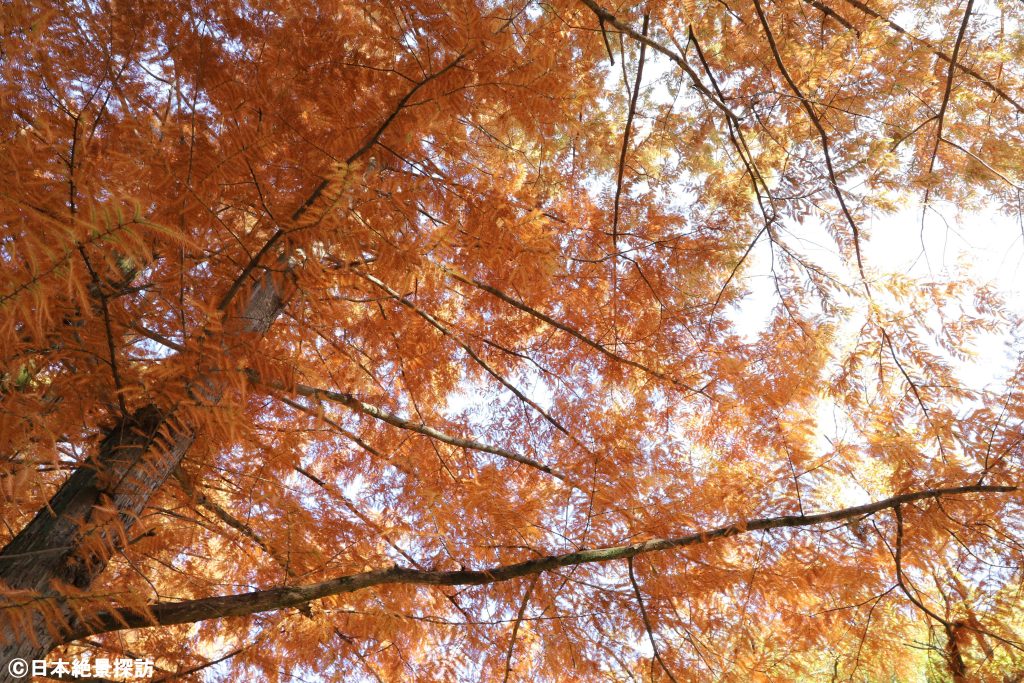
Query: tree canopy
(411, 340)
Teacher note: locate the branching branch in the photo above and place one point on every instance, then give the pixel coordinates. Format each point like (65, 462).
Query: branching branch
(832, 14)
(955, 660)
(607, 17)
(717, 98)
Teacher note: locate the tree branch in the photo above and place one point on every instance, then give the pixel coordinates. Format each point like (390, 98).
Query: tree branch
(992, 87)
(190, 611)
(353, 403)
(625, 135)
(515, 303)
(515, 627)
(227, 518)
(823, 136)
(323, 184)
(949, 82)
(443, 329)
(954, 659)
(647, 621)
(607, 17)
(831, 13)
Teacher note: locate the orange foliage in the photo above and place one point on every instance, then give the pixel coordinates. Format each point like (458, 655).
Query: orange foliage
(404, 340)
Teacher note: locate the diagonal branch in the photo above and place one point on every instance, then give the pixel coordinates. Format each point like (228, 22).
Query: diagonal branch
(401, 105)
(739, 264)
(440, 327)
(607, 45)
(757, 182)
(625, 134)
(984, 163)
(813, 116)
(108, 331)
(992, 87)
(318, 414)
(647, 622)
(515, 627)
(351, 507)
(205, 665)
(914, 390)
(323, 184)
(190, 611)
(356, 405)
(738, 139)
(949, 82)
(831, 13)
(571, 331)
(227, 518)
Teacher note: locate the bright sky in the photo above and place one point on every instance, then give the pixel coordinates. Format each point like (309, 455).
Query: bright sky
(989, 246)
(986, 246)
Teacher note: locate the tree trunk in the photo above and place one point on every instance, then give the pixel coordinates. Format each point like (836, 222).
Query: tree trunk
(71, 539)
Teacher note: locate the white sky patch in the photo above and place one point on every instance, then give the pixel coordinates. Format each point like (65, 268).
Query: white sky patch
(986, 246)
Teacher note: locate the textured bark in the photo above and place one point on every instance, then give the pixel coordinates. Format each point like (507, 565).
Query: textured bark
(72, 538)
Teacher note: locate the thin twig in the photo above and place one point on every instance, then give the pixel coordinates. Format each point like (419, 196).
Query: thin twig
(573, 332)
(443, 329)
(353, 403)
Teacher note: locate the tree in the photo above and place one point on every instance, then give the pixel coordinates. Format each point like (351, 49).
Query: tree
(401, 340)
